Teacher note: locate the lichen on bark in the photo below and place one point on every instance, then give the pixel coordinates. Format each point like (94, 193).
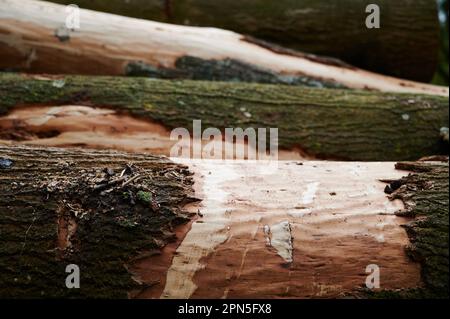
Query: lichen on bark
(193, 68)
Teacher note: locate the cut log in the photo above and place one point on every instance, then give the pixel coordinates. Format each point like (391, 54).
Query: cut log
(405, 46)
(321, 123)
(306, 230)
(34, 38)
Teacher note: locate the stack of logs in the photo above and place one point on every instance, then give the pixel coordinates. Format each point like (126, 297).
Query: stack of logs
(304, 67)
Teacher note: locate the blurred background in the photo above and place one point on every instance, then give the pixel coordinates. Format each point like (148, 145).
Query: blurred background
(441, 76)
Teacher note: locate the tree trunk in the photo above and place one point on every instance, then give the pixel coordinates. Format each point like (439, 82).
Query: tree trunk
(112, 215)
(35, 39)
(323, 123)
(405, 46)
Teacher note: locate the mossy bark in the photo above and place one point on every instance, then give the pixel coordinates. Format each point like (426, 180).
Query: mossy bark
(406, 45)
(61, 207)
(326, 123)
(425, 193)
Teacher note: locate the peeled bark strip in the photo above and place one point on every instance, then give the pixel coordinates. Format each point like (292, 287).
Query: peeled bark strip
(95, 209)
(405, 46)
(326, 123)
(34, 38)
(425, 194)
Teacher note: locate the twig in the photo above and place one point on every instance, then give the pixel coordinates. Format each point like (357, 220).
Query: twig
(135, 177)
(110, 183)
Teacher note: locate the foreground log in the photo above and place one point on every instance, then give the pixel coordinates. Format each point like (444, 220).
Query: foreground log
(299, 231)
(406, 45)
(35, 39)
(324, 123)
(97, 210)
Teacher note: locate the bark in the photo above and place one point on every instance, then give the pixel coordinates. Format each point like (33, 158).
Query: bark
(326, 123)
(405, 46)
(34, 38)
(61, 207)
(425, 194)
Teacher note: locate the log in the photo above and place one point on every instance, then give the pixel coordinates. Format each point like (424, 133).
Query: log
(299, 231)
(34, 39)
(405, 46)
(319, 123)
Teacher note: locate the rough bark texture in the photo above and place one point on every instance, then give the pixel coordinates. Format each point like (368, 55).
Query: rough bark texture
(328, 123)
(406, 45)
(34, 38)
(425, 195)
(61, 207)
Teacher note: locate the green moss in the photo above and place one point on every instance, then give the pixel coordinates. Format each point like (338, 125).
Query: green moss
(145, 197)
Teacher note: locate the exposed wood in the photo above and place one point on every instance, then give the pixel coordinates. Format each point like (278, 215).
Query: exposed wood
(52, 214)
(34, 38)
(405, 46)
(301, 230)
(99, 128)
(325, 123)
